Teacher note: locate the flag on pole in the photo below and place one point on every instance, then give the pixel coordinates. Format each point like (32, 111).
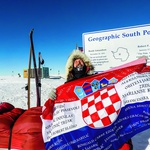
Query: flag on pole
(79, 48)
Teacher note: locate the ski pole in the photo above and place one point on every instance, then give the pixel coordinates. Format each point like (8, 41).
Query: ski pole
(41, 62)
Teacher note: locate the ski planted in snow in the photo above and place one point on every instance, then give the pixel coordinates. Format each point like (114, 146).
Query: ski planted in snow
(35, 69)
(29, 75)
(38, 85)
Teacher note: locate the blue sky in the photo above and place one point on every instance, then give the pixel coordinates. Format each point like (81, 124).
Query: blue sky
(58, 27)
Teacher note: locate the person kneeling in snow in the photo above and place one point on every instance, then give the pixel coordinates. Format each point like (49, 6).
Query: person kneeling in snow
(78, 66)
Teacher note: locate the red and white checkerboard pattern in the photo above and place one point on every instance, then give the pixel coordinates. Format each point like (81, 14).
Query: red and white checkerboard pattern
(101, 108)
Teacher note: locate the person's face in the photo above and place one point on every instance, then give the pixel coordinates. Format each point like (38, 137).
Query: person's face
(78, 63)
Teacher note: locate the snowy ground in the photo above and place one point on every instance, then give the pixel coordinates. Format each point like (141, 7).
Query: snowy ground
(12, 90)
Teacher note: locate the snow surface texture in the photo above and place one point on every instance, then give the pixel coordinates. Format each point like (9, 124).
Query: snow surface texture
(12, 90)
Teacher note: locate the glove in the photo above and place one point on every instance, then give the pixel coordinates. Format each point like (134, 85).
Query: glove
(52, 94)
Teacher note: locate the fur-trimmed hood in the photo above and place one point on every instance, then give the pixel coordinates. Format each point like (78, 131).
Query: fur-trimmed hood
(69, 65)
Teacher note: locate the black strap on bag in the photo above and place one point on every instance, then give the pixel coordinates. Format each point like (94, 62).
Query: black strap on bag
(130, 144)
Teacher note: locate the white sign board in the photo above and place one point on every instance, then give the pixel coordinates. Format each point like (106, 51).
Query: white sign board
(112, 48)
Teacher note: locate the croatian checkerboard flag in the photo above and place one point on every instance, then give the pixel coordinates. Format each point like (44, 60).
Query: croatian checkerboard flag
(99, 112)
(101, 108)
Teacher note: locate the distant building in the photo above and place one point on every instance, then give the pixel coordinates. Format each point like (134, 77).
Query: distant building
(44, 73)
(25, 73)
